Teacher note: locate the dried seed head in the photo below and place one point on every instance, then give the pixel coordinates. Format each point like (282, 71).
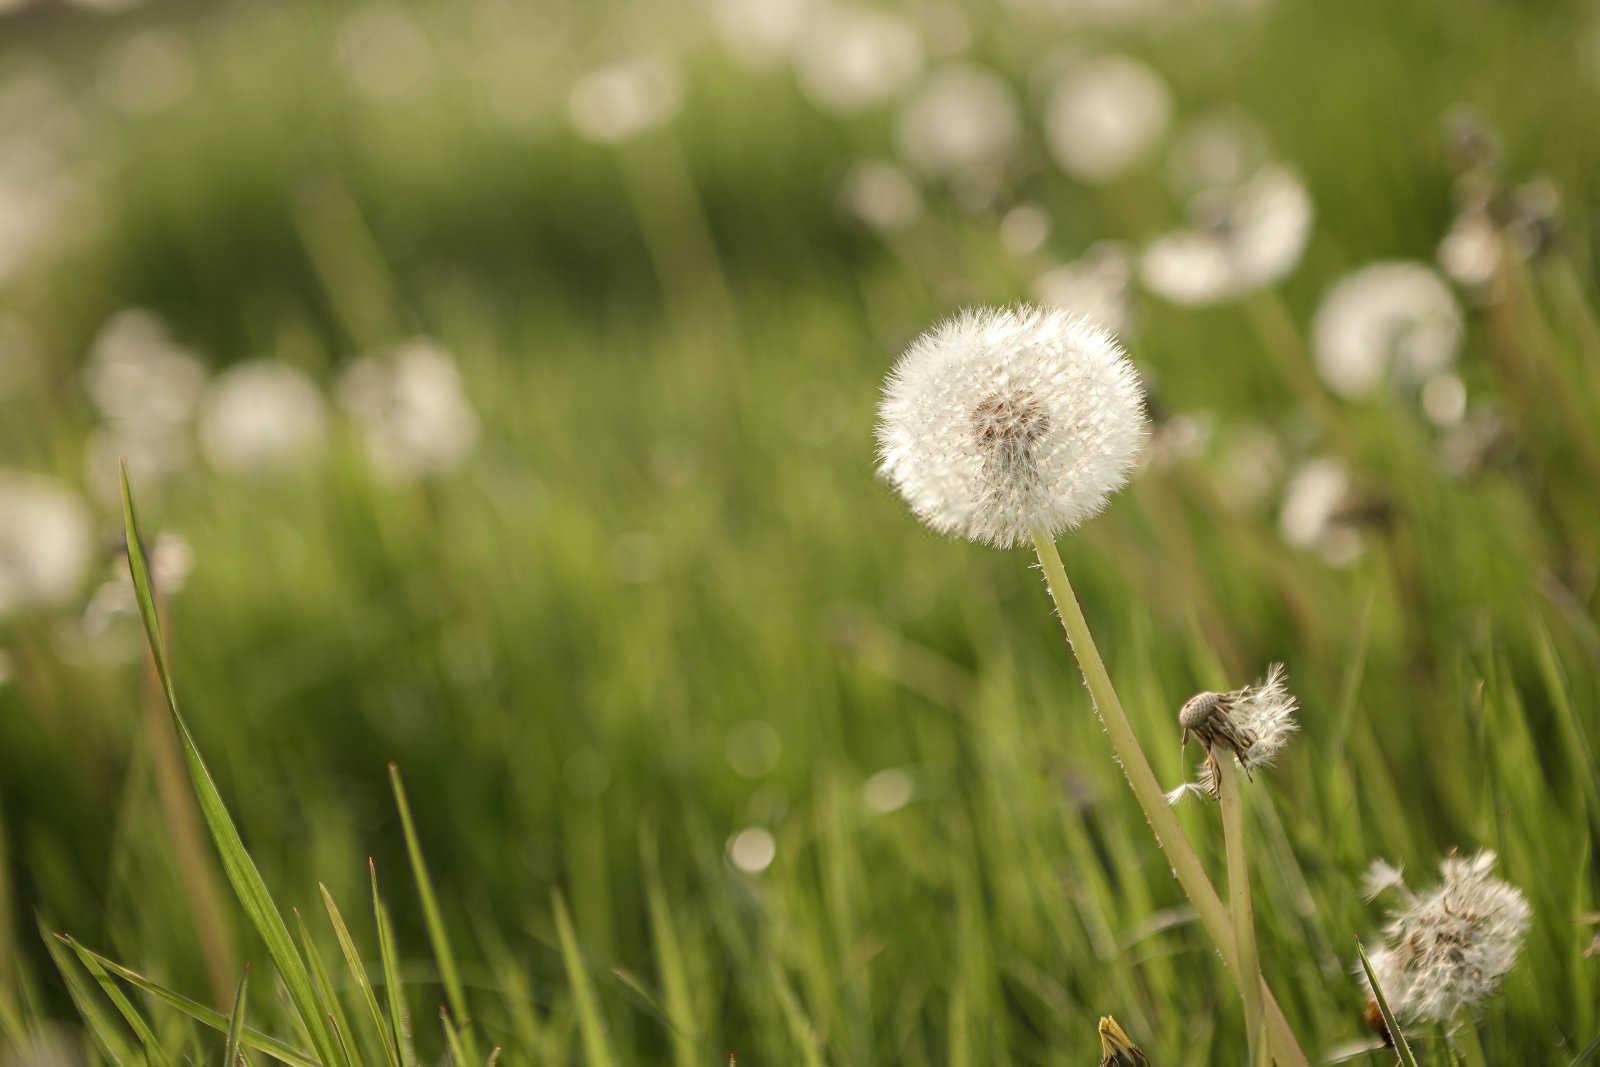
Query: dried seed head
(1252, 724)
(1449, 948)
(1116, 1048)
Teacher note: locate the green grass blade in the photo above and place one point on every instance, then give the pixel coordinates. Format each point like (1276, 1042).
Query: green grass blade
(332, 1006)
(358, 971)
(135, 1019)
(241, 870)
(442, 953)
(102, 1030)
(394, 988)
(669, 959)
(210, 1017)
(452, 1040)
(230, 1049)
(1407, 1059)
(596, 1050)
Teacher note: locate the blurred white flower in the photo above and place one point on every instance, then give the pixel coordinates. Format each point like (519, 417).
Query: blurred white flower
(999, 422)
(752, 849)
(171, 559)
(1251, 464)
(887, 791)
(1448, 949)
(1470, 252)
(261, 415)
(1394, 318)
(41, 191)
(1313, 514)
(384, 54)
(963, 118)
(410, 408)
(138, 374)
(1094, 286)
(147, 71)
(1024, 229)
(1251, 725)
(760, 33)
(881, 195)
(1104, 115)
(1444, 399)
(1247, 237)
(851, 56)
(619, 102)
(46, 538)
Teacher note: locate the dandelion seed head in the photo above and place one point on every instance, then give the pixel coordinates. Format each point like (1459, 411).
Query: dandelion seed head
(412, 411)
(1094, 286)
(1313, 501)
(259, 416)
(1252, 725)
(1449, 948)
(1396, 318)
(619, 102)
(759, 33)
(46, 539)
(1104, 116)
(1024, 229)
(852, 56)
(962, 118)
(1380, 877)
(881, 195)
(1000, 421)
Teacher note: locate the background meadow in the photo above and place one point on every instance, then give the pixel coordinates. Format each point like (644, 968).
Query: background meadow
(497, 384)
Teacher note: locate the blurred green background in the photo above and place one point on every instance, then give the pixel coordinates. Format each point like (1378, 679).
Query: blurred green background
(645, 627)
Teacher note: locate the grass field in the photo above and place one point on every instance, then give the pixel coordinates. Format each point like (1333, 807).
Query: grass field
(711, 747)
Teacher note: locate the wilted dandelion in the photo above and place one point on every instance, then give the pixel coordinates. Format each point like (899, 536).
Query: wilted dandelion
(1094, 286)
(1104, 116)
(1252, 725)
(1116, 1047)
(1002, 423)
(1447, 950)
(1244, 238)
(261, 415)
(852, 56)
(45, 542)
(963, 118)
(881, 195)
(413, 414)
(619, 102)
(1392, 318)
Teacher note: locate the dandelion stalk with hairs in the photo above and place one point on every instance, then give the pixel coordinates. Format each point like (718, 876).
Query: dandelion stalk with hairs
(1009, 427)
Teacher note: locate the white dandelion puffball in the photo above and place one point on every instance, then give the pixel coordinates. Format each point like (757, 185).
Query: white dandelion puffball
(413, 414)
(1391, 317)
(46, 538)
(1449, 948)
(621, 101)
(1002, 421)
(261, 415)
(1248, 237)
(1104, 116)
(851, 57)
(759, 33)
(964, 117)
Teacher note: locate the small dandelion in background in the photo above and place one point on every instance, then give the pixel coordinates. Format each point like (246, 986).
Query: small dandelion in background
(852, 56)
(1094, 286)
(1104, 116)
(1001, 422)
(1391, 319)
(881, 195)
(46, 538)
(752, 849)
(964, 118)
(1448, 949)
(411, 410)
(760, 33)
(619, 102)
(261, 416)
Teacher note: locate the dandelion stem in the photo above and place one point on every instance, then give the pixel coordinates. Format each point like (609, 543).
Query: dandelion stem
(1180, 855)
(1240, 907)
(1465, 1041)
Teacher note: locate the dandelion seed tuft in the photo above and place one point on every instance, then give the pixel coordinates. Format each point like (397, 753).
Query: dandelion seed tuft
(1449, 948)
(1001, 421)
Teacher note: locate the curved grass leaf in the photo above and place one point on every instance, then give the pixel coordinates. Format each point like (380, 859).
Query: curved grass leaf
(596, 1049)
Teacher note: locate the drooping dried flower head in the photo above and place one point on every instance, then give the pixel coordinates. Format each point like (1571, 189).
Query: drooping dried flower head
(1252, 724)
(1001, 421)
(1116, 1047)
(1393, 317)
(1449, 948)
